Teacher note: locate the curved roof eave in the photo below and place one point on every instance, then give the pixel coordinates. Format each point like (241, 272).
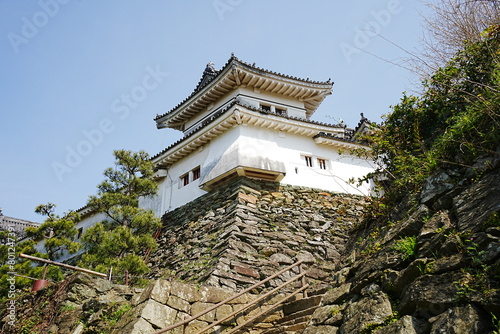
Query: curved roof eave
(225, 119)
(236, 73)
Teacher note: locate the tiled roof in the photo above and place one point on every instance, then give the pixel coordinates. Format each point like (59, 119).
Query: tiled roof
(226, 107)
(210, 74)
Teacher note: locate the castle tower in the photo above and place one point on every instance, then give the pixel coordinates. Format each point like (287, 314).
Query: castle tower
(243, 120)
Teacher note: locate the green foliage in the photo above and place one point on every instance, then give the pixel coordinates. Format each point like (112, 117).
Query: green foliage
(451, 124)
(389, 320)
(372, 243)
(407, 246)
(127, 230)
(56, 233)
(496, 324)
(476, 281)
(493, 220)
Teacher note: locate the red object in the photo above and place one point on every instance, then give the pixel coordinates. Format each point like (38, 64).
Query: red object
(39, 284)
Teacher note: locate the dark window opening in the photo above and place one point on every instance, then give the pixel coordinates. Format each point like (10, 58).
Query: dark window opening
(281, 112)
(265, 108)
(196, 173)
(80, 232)
(309, 162)
(322, 163)
(185, 179)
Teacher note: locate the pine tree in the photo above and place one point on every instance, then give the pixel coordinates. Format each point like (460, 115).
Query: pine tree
(58, 237)
(127, 230)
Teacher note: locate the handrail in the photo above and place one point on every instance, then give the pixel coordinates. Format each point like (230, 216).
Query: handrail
(196, 316)
(260, 314)
(253, 302)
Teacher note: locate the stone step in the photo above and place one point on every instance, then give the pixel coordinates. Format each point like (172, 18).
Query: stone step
(295, 328)
(298, 320)
(301, 304)
(298, 314)
(318, 291)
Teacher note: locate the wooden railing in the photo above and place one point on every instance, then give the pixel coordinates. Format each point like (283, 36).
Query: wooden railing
(255, 301)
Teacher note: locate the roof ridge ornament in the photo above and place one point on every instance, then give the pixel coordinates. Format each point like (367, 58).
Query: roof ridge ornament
(210, 69)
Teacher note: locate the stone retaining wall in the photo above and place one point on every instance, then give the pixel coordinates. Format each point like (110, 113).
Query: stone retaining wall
(248, 230)
(164, 303)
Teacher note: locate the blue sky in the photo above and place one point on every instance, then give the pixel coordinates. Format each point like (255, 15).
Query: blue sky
(79, 79)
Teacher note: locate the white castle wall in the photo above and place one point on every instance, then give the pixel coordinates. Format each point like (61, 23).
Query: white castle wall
(256, 146)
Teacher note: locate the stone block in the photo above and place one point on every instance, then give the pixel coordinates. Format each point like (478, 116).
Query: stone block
(158, 290)
(199, 307)
(139, 326)
(249, 198)
(195, 326)
(407, 325)
(336, 295)
(305, 256)
(430, 295)
(223, 311)
(102, 285)
(185, 291)
(235, 277)
(213, 295)
(370, 310)
(467, 319)
(321, 314)
(281, 258)
(247, 272)
(179, 304)
(158, 314)
(321, 330)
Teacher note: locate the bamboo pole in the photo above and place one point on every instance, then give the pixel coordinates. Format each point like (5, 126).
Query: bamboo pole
(67, 266)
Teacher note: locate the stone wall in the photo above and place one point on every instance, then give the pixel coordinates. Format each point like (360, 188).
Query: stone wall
(247, 230)
(430, 266)
(82, 304)
(164, 303)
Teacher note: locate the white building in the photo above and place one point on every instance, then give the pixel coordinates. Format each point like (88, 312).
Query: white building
(15, 225)
(243, 120)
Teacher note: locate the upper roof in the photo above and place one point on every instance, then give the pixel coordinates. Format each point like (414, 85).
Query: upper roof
(235, 73)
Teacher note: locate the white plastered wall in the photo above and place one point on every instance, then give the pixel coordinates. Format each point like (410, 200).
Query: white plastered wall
(255, 147)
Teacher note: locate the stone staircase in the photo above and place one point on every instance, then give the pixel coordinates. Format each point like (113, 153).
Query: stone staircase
(296, 315)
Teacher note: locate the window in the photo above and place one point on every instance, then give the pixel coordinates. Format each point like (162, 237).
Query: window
(265, 107)
(80, 232)
(185, 179)
(192, 175)
(322, 163)
(280, 111)
(309, 161)
(196, 173)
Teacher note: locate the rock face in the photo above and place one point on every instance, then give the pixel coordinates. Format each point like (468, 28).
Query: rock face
(429, 267)
(246, 231)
